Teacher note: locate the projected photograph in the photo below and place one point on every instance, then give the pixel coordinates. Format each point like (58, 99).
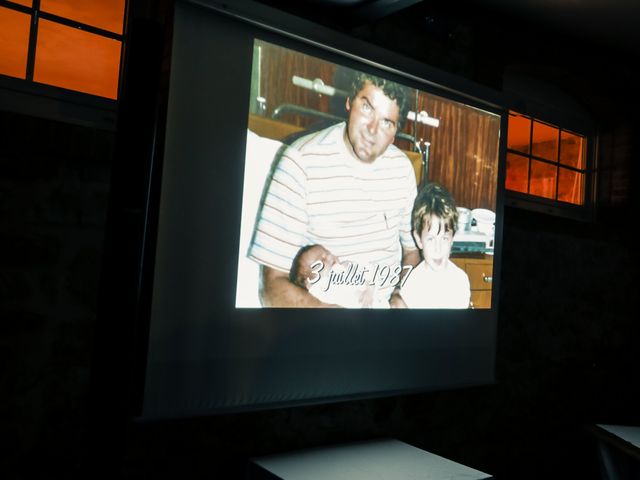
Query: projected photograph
(361, 192)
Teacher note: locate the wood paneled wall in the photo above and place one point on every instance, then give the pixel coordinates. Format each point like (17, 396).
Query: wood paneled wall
(464, 150)
(279, 65)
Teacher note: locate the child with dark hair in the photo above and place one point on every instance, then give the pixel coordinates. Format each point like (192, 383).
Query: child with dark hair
(436, 282)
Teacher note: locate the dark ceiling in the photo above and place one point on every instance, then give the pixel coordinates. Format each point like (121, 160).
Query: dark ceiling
(588, 48)
(613, 23)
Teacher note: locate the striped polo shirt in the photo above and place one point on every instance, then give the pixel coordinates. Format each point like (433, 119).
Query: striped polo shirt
(320, 194)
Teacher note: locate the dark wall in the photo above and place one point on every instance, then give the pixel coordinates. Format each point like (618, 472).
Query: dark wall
(54, 187)
(567, 342)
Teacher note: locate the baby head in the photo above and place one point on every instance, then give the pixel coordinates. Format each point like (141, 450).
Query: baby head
(434, 223)
(311, 261)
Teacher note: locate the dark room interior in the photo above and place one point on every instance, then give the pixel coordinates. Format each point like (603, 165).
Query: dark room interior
(567, 356)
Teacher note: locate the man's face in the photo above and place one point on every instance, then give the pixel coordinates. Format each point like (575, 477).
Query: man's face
(372, 124)
(435, 243)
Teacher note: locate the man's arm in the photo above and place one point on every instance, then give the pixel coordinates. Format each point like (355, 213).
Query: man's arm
(276, 290)
(410, 256)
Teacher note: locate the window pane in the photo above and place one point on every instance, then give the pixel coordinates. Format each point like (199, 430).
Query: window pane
(571, 186)
(545, 141)
(14, 42)
(519, 133)
(543, 179)
(517, 173)
(71, 58)
(105, 14)
(572, 150)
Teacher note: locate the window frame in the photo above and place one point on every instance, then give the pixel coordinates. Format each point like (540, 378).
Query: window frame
(26, 96)
(573, 122)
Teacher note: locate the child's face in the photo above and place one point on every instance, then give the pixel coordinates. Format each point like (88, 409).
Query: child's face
(435, 243)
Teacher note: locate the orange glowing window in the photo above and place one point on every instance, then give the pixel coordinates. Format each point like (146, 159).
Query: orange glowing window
(545, 141)
(71, 58)
(545, 161)
(517, 173)
(519, 133)
(71, 44)
(14, 42)
(104, 14)
(572, 150)
(543, 179)
(570, 186)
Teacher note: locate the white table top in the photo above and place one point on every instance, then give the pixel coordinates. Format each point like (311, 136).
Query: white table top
(375, 460)
(627, 433)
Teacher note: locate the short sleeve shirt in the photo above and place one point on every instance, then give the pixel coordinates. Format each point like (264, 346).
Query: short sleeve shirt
(320, 194)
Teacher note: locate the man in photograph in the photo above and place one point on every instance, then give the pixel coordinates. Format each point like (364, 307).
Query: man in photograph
(348, 189)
